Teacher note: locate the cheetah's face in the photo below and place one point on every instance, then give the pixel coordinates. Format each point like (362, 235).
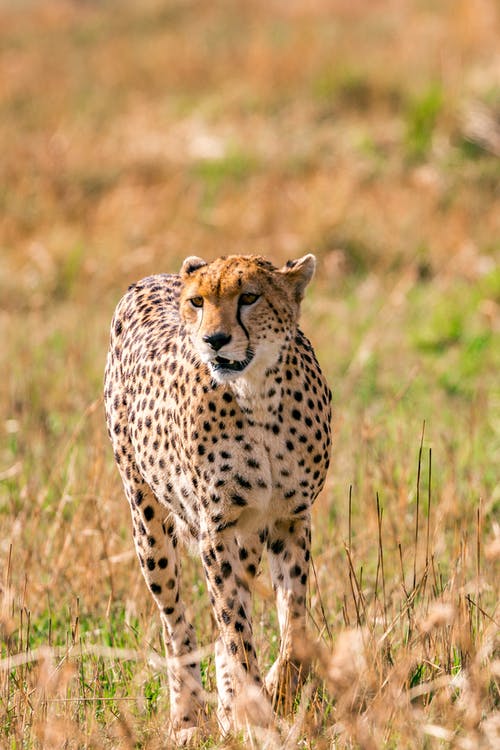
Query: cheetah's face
(240, 311)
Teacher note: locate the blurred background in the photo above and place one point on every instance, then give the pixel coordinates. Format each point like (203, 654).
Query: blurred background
(135, 134)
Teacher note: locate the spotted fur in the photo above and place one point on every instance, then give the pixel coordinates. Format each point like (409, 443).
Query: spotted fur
(219, 416)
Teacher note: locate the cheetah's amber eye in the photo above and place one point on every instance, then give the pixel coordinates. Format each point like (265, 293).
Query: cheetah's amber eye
(196, 301)
(247, 298)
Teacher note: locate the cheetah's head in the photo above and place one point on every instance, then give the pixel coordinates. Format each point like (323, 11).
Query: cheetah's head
(240, 311)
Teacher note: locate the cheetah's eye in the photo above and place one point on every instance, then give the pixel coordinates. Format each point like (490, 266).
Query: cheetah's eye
(197, 301)
(247, 298)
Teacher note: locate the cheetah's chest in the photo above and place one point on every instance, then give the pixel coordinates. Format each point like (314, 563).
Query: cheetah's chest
(242, 450)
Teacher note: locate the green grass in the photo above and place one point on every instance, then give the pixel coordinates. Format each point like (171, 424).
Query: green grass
(422, 118)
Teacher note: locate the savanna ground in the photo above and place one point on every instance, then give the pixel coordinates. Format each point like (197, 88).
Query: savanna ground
(134, 134)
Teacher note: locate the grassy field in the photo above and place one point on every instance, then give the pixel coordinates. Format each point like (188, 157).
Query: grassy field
(134, 134)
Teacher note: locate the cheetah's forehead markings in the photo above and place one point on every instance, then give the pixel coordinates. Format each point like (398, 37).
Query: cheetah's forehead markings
(227, 276)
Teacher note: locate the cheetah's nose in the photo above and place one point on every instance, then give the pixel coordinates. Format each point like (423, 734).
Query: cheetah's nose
(217, 340)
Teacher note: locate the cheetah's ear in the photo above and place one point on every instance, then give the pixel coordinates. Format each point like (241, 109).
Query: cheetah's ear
(192, 264)
(299, 273)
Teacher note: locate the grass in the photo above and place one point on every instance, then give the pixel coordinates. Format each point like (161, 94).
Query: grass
(368, 135)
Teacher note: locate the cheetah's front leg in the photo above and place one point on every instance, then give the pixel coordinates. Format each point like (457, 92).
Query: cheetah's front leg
(289, 554)
(156, 547)
(229, 567)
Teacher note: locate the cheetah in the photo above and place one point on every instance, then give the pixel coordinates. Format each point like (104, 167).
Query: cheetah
(219, 417)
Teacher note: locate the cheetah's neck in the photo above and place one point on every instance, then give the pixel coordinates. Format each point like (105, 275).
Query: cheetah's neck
(259, 394)
(258, 403)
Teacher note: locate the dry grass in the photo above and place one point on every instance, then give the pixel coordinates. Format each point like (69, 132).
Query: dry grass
(135, 134)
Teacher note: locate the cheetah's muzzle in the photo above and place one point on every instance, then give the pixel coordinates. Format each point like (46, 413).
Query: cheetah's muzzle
(222, 365)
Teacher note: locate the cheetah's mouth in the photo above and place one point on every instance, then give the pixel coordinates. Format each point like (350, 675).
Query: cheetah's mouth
(221, 364)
